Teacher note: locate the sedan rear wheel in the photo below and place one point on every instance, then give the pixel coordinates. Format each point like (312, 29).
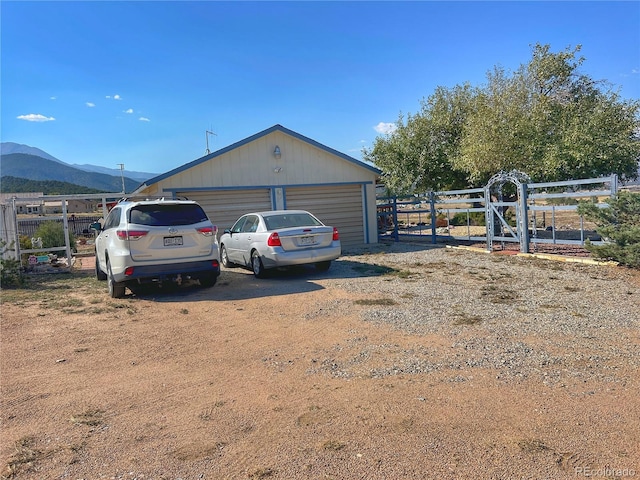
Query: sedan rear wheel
(224, 257)
(116, 289)
(323, 266)
(256, 264)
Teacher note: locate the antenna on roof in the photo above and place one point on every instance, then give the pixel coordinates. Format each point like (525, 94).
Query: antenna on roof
(207, 151)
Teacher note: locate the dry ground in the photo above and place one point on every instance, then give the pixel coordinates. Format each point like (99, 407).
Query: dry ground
(289, 377)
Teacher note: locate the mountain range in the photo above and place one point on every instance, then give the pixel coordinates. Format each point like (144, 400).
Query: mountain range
(23, 161)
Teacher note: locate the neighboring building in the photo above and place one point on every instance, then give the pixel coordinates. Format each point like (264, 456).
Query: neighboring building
(35, 203)
(74, 205)
(278, 169)
(28, 203)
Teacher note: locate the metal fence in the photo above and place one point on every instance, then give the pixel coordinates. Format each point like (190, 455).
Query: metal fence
(534, 215)
(78, 225)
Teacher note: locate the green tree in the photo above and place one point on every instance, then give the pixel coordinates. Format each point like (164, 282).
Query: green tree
(619, 225)
(545, 119)
(417, 155)
(10, 271)
(52, 235)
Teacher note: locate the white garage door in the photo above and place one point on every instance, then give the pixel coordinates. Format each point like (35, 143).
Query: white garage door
(225, 206)
(338, 206)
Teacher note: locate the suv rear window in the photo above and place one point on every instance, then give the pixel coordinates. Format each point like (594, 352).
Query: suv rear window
(167, 215)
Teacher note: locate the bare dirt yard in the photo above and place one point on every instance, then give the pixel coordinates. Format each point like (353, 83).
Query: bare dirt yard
(400, 362)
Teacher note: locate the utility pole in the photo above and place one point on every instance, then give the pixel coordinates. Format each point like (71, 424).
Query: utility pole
(122, 176)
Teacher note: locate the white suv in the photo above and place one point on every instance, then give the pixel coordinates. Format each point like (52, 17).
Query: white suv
(154, 241)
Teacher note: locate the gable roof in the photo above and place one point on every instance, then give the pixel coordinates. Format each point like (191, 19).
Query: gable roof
(275, 128)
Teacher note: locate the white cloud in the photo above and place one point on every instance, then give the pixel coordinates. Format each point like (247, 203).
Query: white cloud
(35, 117)
(52, 98)
(385, 127)
(129, 110)
(115, 97)
(89, 104)
(144, 119)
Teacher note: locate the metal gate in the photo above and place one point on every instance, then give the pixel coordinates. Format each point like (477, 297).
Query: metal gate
(498, 226)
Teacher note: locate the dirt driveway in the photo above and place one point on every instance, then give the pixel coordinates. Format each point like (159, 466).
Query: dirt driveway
(399, 363)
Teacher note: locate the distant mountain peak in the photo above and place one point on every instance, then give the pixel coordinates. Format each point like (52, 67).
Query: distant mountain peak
(7, 148)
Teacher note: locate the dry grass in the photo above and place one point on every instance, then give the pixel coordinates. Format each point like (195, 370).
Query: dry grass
(24, 457)
(500, 295)
(376, 301)
(464, 319)
(92, 417)
(333, 445)
(262, 472)
(532, 445)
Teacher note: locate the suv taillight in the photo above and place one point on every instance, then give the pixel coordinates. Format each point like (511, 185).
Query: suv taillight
(274, 240)
(131, 234)
(208, 231)
(335, 234)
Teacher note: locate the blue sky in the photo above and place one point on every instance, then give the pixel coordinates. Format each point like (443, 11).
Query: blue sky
(140, 83)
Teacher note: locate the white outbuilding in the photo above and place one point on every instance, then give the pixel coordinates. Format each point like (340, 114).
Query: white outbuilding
(278, 169)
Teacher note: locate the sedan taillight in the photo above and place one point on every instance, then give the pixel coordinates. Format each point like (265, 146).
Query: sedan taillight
(131, 234)
(335, 234)
(274, 240)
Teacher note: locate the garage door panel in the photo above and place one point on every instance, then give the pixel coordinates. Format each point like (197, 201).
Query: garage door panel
(225, 207)
(338, 206)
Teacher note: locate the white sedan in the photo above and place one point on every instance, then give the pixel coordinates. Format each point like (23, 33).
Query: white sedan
(280, 238)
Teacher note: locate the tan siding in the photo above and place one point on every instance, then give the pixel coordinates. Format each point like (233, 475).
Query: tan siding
(252, 165)
(338, 206)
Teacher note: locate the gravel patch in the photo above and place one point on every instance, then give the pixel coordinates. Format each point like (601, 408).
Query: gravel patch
(517, 316)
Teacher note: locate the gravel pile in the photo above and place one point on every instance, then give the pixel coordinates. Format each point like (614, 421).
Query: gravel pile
(519, 316)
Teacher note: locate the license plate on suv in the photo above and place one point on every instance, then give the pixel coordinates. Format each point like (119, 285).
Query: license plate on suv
(172, 241)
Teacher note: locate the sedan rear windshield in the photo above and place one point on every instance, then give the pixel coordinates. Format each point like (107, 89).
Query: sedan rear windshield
(167, 215)
(287, 220)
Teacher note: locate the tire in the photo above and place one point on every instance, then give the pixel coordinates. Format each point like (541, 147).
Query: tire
(116, 289)
(208, 281)
(257, 266)
(323, 266)
(100, 275)
(224, 258)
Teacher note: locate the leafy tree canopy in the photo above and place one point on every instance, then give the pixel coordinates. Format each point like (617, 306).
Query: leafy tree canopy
(546, 119)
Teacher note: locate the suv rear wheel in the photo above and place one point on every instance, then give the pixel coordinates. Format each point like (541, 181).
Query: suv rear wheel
(100, 275)
(208, 281)
(116, 289)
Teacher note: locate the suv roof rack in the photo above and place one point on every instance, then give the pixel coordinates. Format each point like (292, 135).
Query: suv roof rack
(142, 198)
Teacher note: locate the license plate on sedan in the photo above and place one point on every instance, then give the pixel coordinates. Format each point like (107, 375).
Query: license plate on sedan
(307, 240)
(172, 241)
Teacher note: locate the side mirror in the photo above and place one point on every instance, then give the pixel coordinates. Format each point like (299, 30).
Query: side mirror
(96, 226)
